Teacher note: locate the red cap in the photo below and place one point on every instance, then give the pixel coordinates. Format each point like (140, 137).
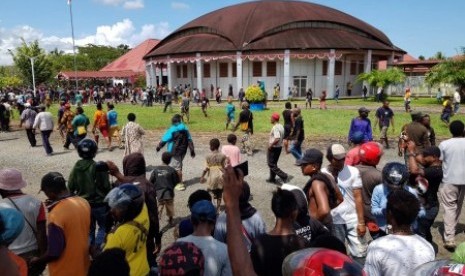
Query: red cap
(275, 116)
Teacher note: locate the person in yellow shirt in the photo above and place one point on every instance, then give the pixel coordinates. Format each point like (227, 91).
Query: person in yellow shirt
(132, 223)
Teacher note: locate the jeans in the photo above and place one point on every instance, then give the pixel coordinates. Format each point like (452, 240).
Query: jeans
(45, 136)
(296, 149)
(423, 225)
(98, 217)
(456, 107)
(31, 136)
(272, 159)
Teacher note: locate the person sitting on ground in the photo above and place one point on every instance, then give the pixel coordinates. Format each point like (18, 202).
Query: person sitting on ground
(400, 252)
(132, 226)
(180, 259)
(185, 227)
(32, 242)
(212, 175)
(11, 226)
(203, 217)
(270, 249)
(252, 222)
(164, 178)
(394, 176)
(231, 151)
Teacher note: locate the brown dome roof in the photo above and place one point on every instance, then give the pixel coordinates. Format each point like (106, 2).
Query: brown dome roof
(273, 25)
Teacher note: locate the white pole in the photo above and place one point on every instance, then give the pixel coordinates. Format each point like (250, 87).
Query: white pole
(33, 76)
(74, 46)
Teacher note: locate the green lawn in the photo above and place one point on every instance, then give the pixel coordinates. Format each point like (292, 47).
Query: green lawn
(332, 123)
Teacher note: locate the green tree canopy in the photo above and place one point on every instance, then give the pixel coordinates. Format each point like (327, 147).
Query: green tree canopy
(450, 71)
(383, 78)
(100, 55)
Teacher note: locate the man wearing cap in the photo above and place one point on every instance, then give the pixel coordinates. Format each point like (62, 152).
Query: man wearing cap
(417, 132)
(203, 217)
(68, 229)
(385, 117)
(44, 122)
(66, 122)
(362, 124)
(27, 118)
(275, 146)
(348, 217)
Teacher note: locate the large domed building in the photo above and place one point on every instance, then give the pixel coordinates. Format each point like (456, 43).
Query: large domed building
(298, 45)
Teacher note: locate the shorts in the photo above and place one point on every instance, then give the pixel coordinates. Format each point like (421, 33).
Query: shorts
(104, 131)
(287, 131)
(384, 132)
(217, 193)
(176, 162)
(114, 131)
(169, 206)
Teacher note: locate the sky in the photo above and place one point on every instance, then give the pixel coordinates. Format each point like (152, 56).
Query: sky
(420, 27)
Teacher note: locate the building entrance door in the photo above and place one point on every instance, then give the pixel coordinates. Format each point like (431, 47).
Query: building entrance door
(300, 86)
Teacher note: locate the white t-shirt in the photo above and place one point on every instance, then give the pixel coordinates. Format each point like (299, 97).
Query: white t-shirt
(277, 131)
(44, 121)
(214, 252)
(347, 180)
(395, 255)
(453, 156)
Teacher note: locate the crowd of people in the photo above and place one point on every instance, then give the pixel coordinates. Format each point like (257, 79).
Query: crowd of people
(352, 217)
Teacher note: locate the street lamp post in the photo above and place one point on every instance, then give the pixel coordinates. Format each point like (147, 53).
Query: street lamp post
(33, 76)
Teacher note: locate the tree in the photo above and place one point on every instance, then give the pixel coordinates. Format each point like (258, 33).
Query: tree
(99, 55)
(22, 59)
(421, 57)
(450, 71)
(438, 56)
(383, 78)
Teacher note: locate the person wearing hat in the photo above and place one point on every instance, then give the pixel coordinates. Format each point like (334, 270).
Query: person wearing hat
(203, 217)
(32, 240)
(363, 124)
(44, 122)
(321, 190)
(11, 224)
(348, 217)
(178, 139)
(68, 229)
(27, 118)
(417, 132)
(384, 117)
(66, 122)
(246, 125)
(275, 146)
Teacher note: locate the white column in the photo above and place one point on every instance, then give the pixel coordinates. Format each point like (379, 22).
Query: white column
(286, 73)
(330, 74)
(169, 73)
(198, 64)
(160, 73)
(238, 71)
(367, 63)
(153, 77)
(148, 74)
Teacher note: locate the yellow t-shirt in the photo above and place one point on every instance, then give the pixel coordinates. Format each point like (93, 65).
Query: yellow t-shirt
(132, 240)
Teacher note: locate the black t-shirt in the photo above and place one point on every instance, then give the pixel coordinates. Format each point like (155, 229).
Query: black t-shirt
(164, 178)
(310, 229)
(268, 252)
(298, 131)
(287, 115)
(246, 116)
(434, 176)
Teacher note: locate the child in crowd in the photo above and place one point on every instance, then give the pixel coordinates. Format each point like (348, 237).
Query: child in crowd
(204, 101)
(231, 151)
(213, 174)
(230, 109)
(165, 178)
(447, 110)
(185, 107)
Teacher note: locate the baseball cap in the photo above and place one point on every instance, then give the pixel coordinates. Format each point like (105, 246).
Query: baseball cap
(275, 116)
(204, 210)
(338, 151)
(182, 258)
(311, 156)
(363, 109)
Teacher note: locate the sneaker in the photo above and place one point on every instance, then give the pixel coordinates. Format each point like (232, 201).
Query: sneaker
(450, 245)
(180, 187)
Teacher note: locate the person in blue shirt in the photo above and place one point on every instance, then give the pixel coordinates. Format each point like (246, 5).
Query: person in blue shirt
(363, 124)
(178, 140)
(112, 117)
(230, 110)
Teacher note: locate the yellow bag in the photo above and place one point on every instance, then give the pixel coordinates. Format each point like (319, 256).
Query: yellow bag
(81, 130)
(244, 126)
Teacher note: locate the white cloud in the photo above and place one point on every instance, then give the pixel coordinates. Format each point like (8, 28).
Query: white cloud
(127, 4)
(179, 6)
(123, 32)
(133, 5)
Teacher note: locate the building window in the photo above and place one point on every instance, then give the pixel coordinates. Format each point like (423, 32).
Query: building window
(206, 70)
(361, 67)
(271, 69)
(325, 68)
(223, 70)
(257, 69)
(178, 71)
(353, 67)
(234, 69)
(184, 71)
(338, 68)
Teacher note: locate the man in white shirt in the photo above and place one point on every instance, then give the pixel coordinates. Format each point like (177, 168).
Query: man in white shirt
(348, 217)
(456, 101)
(44, 122)
(452, 188)
(275, 146)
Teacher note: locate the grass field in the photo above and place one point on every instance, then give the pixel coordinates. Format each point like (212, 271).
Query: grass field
(333, 122)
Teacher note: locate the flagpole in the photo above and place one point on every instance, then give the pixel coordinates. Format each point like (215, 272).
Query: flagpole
(74, 46)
